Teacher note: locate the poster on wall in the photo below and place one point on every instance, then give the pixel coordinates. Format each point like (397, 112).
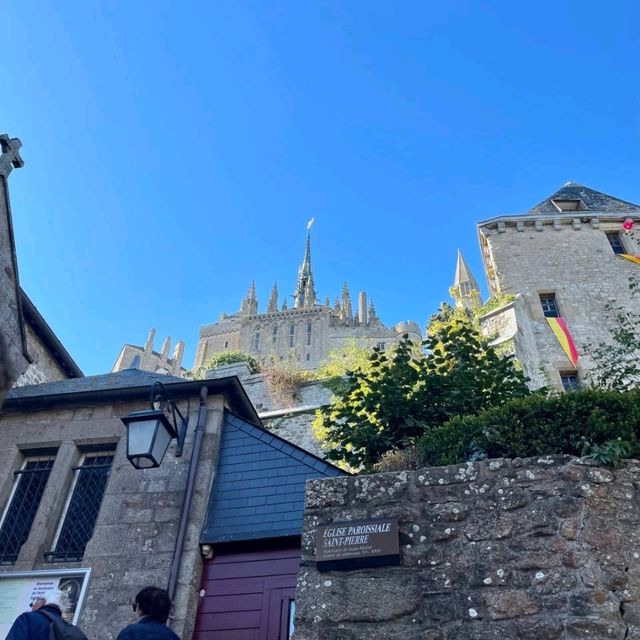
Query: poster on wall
(20, 590)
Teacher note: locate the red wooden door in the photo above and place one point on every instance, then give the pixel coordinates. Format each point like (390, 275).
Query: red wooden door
(248, 595)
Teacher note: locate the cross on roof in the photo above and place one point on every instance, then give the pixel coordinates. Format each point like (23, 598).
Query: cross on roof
(10, 158)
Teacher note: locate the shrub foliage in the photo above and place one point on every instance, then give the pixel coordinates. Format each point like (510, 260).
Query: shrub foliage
(538, 425)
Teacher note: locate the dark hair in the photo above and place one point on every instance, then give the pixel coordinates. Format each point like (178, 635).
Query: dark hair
(155, 603)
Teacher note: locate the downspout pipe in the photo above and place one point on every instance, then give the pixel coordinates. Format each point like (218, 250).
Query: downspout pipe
(188, 493)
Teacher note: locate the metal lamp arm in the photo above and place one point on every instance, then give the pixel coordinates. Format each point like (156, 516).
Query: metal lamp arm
(159, 394)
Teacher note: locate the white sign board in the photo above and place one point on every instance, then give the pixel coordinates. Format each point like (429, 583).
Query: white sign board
(19, 590)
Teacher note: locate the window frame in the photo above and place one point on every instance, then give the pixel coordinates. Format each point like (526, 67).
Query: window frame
(292, 335)
(570, 373)
(18, 475)
(549, 295)
(580, 204)
(52, 556)
(618, 237)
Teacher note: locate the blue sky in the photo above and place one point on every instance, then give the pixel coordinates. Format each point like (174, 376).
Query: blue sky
(175, 151)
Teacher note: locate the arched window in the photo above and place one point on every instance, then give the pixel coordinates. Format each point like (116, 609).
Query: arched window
(292, 334)
(274, 334)
(309, 326)
(256, 340)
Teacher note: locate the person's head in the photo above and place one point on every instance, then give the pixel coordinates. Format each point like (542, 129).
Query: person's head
(55, 598)
(153, 602)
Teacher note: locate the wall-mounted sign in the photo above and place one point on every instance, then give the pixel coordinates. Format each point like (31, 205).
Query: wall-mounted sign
(18, 590)
(350, 545)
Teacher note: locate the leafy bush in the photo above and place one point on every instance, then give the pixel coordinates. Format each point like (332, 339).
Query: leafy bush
(610, 454)
(539, 425)
(403, 393)
(227, 357)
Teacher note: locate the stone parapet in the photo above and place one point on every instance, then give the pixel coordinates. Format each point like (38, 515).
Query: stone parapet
(543, 548)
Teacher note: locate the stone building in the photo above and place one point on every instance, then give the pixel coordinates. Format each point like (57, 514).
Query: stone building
(34, 352)
(306, 332)
(564, 259)
(147, 359)
(75, 509)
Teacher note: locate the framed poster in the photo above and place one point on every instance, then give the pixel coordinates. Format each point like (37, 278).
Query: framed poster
(18, 590)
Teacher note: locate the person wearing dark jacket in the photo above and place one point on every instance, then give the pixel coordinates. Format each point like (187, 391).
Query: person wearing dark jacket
(151, 608)
(34, 625)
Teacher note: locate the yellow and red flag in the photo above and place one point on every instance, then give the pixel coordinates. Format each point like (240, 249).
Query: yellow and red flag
(559, 328)
(628, 256)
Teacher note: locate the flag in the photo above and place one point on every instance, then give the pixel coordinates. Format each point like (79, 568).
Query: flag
(559, 328)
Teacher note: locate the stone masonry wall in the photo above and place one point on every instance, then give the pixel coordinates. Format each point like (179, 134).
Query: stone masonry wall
(9, 306)
(134, 536)
(574, 260)
(538, 549)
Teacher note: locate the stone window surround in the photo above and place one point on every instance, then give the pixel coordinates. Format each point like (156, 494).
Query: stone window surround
(573, 381)
(59, 486)
(26, 458)
(75, 469)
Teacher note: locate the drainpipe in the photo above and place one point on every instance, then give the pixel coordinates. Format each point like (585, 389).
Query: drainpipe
(188, 493)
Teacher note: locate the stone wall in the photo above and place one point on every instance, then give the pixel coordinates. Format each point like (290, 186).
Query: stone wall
(10, 320)
(540, 549)
(572, 258)
(134, 536)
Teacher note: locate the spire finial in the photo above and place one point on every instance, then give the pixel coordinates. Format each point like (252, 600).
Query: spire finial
(272, 307)
(465, 290)
(305, 294)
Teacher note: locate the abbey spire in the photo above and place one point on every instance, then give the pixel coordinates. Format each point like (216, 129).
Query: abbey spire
(305, 294)
(272, 307)
(249, 306)
(465, 290)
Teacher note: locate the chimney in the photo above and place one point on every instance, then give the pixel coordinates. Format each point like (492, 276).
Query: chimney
(362, 307)
(165, 348)
(148, 347)
(178, 354)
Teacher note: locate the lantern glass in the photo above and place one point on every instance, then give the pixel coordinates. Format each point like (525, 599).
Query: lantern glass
(148, 436)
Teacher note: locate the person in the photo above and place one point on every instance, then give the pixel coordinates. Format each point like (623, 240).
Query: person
(35, 626)
(151, 609)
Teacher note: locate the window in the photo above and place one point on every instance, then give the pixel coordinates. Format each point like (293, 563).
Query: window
(308, 357)
(18, 517)
(226, 344)
(274, 334)
(256, 340)
(570, 380)
(549, 305)
(380, 346)
(309, 327)
(292, 333)
(89, 484)
(616, 242)
(569, 204)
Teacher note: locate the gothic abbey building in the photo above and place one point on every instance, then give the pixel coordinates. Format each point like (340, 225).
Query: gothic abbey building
(551, 272)
(306, 332)
(557, 267)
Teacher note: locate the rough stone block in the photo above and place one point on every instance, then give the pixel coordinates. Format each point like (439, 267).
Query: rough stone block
(510, 604)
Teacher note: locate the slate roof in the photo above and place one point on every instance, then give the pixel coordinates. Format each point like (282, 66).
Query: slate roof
(124, 385)
(108, 381)
(260, 485)
(592, 199)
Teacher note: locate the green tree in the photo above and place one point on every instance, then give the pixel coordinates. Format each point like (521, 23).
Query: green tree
(617, 362)
(402, 394)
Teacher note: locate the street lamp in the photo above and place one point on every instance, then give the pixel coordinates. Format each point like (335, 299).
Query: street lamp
(150, 432)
